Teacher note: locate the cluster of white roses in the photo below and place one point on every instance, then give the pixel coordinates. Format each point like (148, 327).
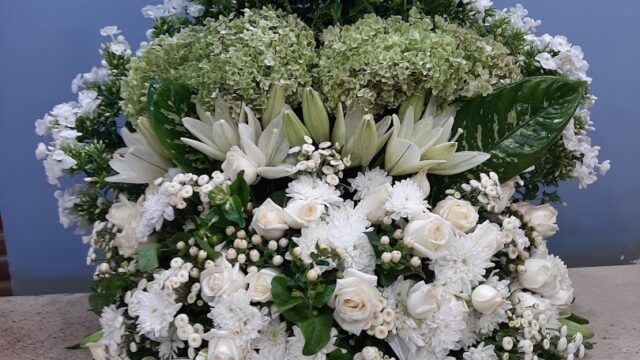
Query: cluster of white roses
(462, 305)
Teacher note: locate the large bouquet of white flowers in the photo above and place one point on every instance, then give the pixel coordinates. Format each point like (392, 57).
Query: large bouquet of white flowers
(327, 180)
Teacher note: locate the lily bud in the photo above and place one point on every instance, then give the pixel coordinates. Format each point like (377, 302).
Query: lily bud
(339, 128)
(315, 115)
(361, 147)
(415, 102)
(144, 127)
(275, 103)
(294, 129)
(440, 151)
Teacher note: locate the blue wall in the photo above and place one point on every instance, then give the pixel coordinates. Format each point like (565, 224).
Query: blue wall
(45, 43)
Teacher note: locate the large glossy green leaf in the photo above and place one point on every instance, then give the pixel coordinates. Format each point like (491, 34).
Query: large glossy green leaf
(518, 122)
(316, 332)
(168, 102)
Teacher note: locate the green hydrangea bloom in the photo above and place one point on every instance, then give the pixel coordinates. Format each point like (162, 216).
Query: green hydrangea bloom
(236, 58)
(377, 63)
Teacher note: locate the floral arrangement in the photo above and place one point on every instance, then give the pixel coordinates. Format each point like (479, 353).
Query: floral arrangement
(331, 179)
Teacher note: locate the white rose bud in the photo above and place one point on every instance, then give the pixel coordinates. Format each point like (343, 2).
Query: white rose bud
(538, 276)
(223, 346)
(372, 204)
(221, 279)
(354, 300)
(237, 161)
(488, 236)
(542, 217)
(486, 299)
(460, 213)
(422, 300)
(429, 234)
(269, 221)
(300, 213)
(260, 284)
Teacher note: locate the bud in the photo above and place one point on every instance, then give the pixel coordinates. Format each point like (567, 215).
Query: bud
(315, 115)
(414, 103)
(441, 151)
(275, 103)
(361, 146)
(294, 130)
(339, 128)
(486, 299)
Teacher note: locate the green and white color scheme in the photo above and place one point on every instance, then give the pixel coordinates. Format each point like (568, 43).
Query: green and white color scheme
(336, 179)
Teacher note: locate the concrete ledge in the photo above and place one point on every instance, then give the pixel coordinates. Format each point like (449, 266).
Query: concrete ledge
(40, 327)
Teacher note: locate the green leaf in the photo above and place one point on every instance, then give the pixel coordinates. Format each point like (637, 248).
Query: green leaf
(167, 103)
(339, 354)
(291, 308)
(91, 338)
(279, 197)
(316, 332)
(97, 301)
(234, 211)
(148, 257)
(240, 188)
(211, 252)
(578, 319)
(574, 328)
(324, 296)
(518, 122)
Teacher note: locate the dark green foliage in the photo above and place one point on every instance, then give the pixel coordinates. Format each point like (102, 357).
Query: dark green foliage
(519, 122)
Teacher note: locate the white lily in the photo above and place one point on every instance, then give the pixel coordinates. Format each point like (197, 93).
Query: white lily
(217, 133)
(267, 149)
(361, 136)
(139, 162)
(424, 145)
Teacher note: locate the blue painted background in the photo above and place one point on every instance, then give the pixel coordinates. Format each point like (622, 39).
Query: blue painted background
(44, 44)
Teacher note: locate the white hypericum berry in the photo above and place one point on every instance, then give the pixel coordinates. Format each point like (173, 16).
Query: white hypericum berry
(384, 240)
(176, 263)
(415, 261)
(312, 275)
(385, 257)
(195, 340)
(273, 245)
(396, 256)
(277, 260)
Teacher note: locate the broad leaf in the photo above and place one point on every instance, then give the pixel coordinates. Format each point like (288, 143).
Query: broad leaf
(240, 188)
(518, 122)
(168, 102)
(317, 332)
(292, 308)
(339, 354)
(234, 211)
(97, 301)
(91, 338)
(148, 257)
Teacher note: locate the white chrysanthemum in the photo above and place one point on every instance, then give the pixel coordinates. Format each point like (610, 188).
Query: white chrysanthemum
(464, 265)
(296, 343)
(155, 210)
(564, 295)
(406, 200)
(235, 313)
(155, 312)
(481, 352)
(169, 346)
(113, 327)
(309, 239)
(430, 338)
(345, 232)
(370, 179)
(272, 343)
(308, 188)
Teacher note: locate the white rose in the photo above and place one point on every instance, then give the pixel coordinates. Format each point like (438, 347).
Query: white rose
(422, 300)
(372, 204)
(421, 179)
(260, 284)
(354, 300)
(489, 236)
(221, 279)
(223, 345)
(486, 299)
(126, 216)
(302, 213)
(237, 161)
(542, 217)
(539, 276)
(458, 212)
(430, 234)
(269, 220)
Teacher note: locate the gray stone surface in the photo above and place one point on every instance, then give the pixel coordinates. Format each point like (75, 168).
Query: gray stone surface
(40, 327)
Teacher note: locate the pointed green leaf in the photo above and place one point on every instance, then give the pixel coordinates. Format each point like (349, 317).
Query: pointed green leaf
(97, 301)
(168, 102)
(240, 188)
(518, 122)
(317, 332)
(91, 338)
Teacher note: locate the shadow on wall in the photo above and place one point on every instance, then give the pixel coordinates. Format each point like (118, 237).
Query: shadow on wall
(5, 277)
